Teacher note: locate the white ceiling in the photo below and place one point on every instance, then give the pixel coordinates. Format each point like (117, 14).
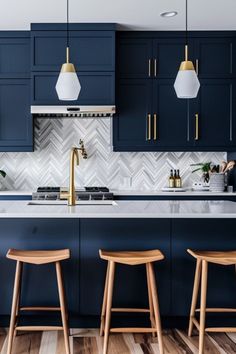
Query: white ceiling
(131, 14)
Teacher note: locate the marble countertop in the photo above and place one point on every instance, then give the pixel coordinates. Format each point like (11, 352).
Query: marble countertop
(133, 193)
(119, 209)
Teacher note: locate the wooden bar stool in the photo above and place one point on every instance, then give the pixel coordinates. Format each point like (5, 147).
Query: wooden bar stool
(37, 258)
(201, 273)
(131, 258)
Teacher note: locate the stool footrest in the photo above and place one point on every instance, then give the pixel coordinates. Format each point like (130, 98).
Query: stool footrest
(130, 310)
(40, 308)
(221, 329)
(39, 328)
(217, 309)
(133, 330)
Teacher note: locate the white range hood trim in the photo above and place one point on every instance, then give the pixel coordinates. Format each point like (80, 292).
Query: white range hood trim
(93, 111)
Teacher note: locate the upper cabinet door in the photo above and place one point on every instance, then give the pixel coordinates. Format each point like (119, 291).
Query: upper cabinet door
(14, 56)
(212, 115)
(134, 58)
(16, 123)
(168, 53)
(215, 57)
(170, 117)
(89, 50)
(132, 123)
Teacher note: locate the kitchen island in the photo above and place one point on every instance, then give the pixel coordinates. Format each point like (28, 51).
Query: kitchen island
(171, 226)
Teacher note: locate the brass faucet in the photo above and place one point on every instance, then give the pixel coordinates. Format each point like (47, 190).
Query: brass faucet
(74, 158)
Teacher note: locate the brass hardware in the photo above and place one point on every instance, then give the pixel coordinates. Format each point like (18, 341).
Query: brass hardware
(149, 67)
(67, 67)
(74, 158)
(186, 64)
(148, 127)
(155, 127)
(196, 126)
(155, 67)
(197, 66)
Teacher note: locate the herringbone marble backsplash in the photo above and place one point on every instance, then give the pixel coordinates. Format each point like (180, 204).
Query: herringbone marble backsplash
(49, 163)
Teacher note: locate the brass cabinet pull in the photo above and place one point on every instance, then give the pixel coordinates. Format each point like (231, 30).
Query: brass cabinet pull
(197, 66)
(155, 127)
(148, 136)
(196, 126)
(149, 67)
(155, 67)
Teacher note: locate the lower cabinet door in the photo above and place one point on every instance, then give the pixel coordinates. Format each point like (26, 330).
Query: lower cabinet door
(130, 289)
(96, 89)
(16, 123)
(202, 234)
(132, 123)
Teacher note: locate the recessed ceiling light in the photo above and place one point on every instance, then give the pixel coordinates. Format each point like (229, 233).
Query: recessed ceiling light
(169, 14)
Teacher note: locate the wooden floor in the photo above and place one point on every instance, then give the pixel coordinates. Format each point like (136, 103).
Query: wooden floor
(89, 342)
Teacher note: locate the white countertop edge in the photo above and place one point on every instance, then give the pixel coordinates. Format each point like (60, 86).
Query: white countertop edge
(116, 192)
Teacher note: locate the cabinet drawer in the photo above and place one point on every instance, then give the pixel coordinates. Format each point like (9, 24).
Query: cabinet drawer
(89, 50)
(96, 89)
(14, 57)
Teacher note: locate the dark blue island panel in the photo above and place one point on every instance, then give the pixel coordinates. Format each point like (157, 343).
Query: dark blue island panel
(39, 282)
(130, 282)
(85, 272)
(202, 234)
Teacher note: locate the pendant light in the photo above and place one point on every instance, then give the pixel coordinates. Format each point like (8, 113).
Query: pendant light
(186, 83)
(68, 86)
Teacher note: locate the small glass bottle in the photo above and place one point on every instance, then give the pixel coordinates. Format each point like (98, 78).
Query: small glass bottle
(178, 180)
(171, 180)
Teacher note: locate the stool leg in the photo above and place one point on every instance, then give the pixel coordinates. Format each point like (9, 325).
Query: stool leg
(195, 295)
(109, 304)
(104, 304)
(63, 306)
(203, 306)
(150, 301)
(14, 306)
(156, 306)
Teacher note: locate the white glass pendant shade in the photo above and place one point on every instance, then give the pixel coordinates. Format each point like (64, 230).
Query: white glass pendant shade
(68, 86)
(186, 83)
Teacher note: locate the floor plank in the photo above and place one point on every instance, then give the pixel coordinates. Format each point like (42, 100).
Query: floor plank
(88, 341)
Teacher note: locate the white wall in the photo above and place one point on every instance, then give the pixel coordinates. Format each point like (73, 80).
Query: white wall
(133, 14)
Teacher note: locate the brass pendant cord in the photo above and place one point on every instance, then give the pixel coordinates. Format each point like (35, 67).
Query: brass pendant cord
(186, 30)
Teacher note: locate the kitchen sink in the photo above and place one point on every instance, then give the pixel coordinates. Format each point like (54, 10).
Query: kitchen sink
(79, 202)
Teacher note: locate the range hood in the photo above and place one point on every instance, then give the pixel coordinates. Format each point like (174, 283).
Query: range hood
(73, 111)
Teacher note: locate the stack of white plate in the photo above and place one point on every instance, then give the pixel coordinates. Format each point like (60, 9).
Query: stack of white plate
(217, 182)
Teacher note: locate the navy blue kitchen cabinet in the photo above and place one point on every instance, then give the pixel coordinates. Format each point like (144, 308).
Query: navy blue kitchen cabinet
(215, 57)
(205, 123)
(208, 234)
(214, 126)
(118, 234)
(89, 50)
(149, 116)
(16, 124)
(134, 105)
(96, 89)
(14, 54)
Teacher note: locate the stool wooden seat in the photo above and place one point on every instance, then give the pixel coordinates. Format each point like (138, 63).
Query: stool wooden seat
(224, 258)
(201, 274)
(131, 258)
(37, 258)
